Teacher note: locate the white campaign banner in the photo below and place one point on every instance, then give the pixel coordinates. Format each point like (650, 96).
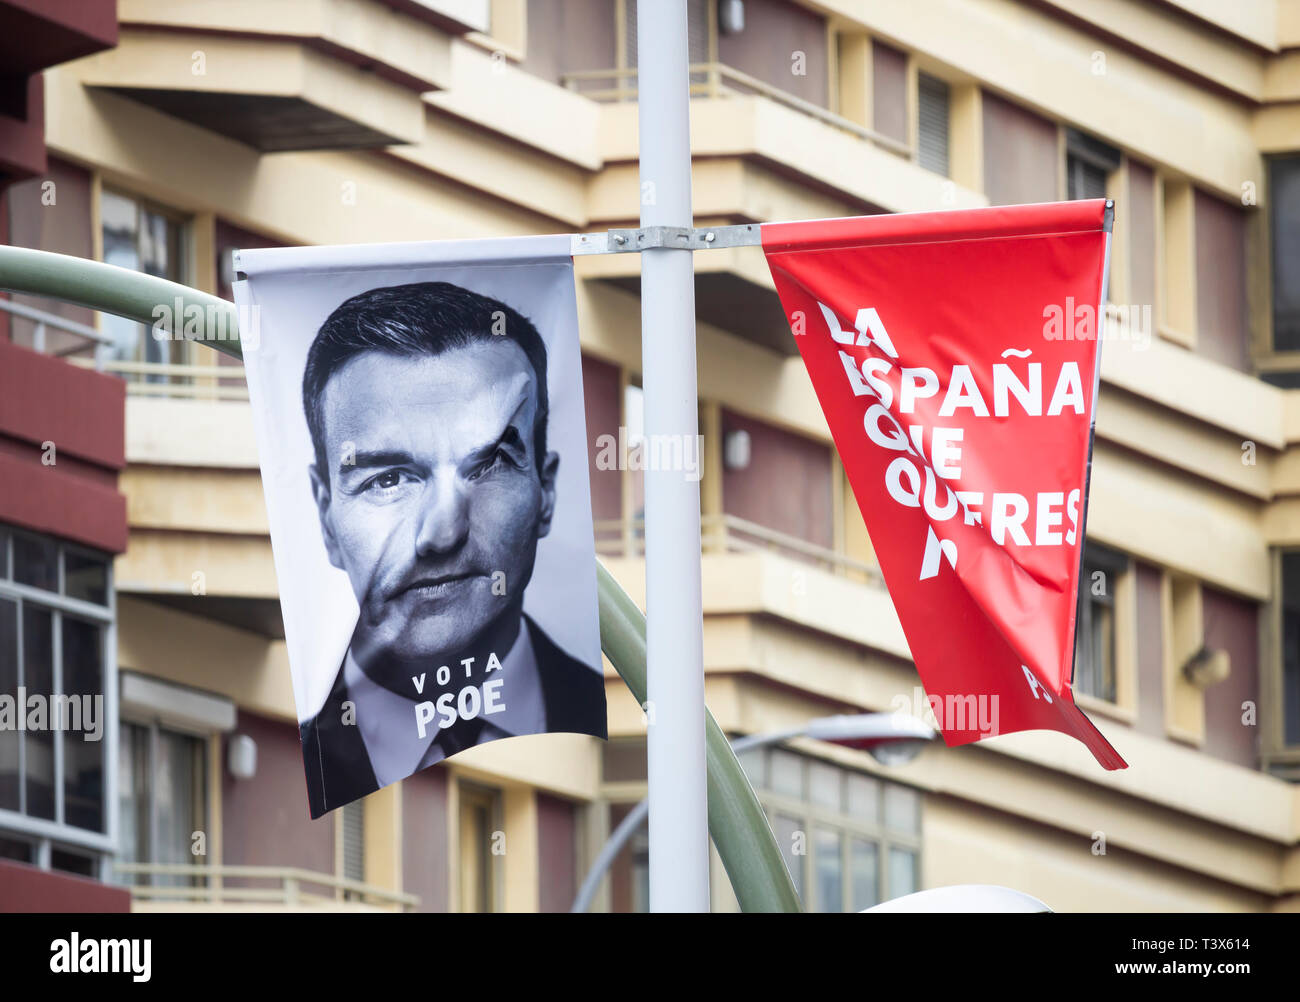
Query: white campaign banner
(419, 419)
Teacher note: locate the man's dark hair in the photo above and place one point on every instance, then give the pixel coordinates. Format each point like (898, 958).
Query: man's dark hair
(423, 318)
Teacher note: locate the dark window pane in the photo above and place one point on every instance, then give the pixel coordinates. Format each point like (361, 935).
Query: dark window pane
(1291, 648)
(36, 561)
(38, 679)
(133, 795)
(15, 848)
(4, 551)
(1094, 637)
(1084, 179)
(9, 736)
(71, 862)
(85, 577)
(1284, 191)
(83, 747)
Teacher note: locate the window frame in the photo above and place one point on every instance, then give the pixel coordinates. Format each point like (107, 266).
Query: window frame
(1268, 359)
(922, 79)
(180, 351)
(155, 726)
(492, 799)
(47, 835)
(812, 816)
(1121, 571)
(1274, 749)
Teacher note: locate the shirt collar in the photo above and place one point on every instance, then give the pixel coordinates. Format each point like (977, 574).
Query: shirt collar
(387, 719)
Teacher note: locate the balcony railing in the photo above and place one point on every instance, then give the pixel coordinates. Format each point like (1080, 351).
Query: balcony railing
(719, 80)
(731, 534)
(206, 887)
(194, 382)
(168, 379)
(42, 321)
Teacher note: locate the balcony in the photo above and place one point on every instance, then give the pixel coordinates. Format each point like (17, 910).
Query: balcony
(286, 76)
(184, 887)
(718, 80)
(760, 154)
(731, 534)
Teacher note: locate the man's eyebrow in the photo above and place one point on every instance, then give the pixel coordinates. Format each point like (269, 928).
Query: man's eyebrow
(370, 460)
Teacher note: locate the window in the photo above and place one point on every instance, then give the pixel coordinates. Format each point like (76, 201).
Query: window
(1284, 210)
(1088, 165)
(932, 123)
(1290, 637)
(480, 820)
(55, 610)
(142, 238)
(850, 839)
(1094, 633)
(162, 793)
(353, 824)
(697, 36)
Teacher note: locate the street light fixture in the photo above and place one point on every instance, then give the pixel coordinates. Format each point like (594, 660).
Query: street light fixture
(892, 739)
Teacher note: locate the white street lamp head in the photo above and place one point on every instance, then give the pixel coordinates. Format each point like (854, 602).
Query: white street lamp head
(891, 738)
(963, 898)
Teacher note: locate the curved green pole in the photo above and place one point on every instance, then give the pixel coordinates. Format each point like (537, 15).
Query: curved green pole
(739, 827)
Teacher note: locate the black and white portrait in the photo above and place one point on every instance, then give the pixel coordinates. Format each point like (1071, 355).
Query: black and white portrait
(434, 483)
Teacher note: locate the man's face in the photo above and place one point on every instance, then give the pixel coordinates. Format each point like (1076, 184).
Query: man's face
(433, 502)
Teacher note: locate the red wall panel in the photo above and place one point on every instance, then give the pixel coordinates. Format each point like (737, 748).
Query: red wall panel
(25, 888)
(264, 820)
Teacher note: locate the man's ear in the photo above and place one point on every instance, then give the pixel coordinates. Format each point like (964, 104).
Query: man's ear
(320, 489)
(550, 467)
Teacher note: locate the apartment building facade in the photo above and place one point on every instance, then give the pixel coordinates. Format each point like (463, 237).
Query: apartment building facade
(208, 127)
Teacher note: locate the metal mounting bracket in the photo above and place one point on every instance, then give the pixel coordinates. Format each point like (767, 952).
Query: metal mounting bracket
(674, 237)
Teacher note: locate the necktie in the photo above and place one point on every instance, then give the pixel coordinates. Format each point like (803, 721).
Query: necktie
(461, 735)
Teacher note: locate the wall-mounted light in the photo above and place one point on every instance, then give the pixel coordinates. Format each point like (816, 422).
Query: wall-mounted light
(731, 16)
(735, 450)
(241, 756)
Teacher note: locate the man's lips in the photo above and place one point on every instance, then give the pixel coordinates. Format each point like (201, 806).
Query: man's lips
(434, 584)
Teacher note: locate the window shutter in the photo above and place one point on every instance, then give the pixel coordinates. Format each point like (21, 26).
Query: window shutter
(1085, 179)
(932, 124)
(629, 35)
(697, 31)
(354, 841)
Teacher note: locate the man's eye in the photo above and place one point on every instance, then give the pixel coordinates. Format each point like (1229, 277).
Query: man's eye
(498, 459)
(387, 480)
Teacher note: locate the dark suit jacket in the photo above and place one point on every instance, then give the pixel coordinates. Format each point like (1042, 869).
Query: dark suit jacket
(334, 753)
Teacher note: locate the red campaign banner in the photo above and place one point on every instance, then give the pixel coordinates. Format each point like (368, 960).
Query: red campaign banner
(955, 356)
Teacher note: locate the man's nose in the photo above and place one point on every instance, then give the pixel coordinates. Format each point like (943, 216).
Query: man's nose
(444, 517)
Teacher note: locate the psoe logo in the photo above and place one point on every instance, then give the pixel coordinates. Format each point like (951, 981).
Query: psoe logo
(102, 956)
